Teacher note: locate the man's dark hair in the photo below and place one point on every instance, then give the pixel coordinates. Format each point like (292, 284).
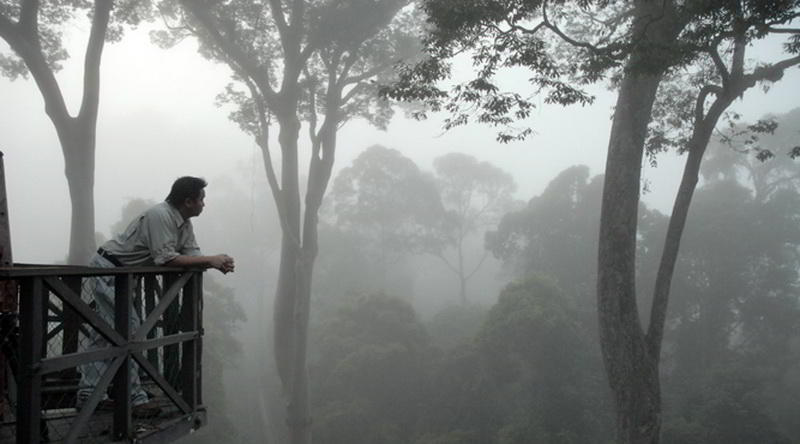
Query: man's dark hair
(186, 187)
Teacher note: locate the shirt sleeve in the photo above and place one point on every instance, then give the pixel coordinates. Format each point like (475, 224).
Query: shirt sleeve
(161, 236)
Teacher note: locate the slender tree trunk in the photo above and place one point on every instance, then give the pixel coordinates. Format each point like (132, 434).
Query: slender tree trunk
(298, 411)
(462, 279)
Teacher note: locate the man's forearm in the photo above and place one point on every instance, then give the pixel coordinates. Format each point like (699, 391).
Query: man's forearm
(221, 262)
(191, 261)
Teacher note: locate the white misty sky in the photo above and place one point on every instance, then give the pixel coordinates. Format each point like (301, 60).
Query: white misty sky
(158, 121)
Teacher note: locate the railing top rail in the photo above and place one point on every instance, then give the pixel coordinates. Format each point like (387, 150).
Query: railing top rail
(33, 270)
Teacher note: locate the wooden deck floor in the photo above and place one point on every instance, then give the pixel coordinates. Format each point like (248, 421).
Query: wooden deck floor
(166, 427)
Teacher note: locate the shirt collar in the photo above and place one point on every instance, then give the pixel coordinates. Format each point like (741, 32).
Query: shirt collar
(175, 215)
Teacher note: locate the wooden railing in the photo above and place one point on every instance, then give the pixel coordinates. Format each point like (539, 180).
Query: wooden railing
(42, 353)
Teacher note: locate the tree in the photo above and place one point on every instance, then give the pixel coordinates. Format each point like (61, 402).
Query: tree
(555, 234)
(760, 155)
(523, 378)
(475, 194)
(641, 43)
(34, 31)
(294, 61)
(390, 205)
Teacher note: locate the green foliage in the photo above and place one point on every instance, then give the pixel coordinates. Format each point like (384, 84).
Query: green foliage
(368, 368)
(734, 155)
(555, 234)
(727, 407)
(526, 377)
(390, 202)
(568, 44)
(477, 193)
(456, 324)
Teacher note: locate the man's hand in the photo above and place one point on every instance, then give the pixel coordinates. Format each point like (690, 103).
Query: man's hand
(222, 262)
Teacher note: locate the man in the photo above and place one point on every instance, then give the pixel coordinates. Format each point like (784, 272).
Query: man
(162, 235)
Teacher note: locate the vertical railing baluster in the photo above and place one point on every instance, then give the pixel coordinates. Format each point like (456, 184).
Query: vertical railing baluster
(150, 285)
(122, 381)
(29, 407)
(171, 352)
(72, 323)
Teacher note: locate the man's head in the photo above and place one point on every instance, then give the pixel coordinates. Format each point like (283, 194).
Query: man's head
(187, 195)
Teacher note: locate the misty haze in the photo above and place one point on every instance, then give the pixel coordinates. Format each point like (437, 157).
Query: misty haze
(453, 221)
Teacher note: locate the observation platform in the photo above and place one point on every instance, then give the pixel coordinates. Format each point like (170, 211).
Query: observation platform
(50, 332)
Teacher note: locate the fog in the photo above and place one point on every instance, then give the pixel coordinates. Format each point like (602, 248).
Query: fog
(158, 121)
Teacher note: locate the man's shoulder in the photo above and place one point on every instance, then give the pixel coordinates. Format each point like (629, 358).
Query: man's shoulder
(164, 212)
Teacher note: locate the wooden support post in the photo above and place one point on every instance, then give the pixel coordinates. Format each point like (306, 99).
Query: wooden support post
(123, 293)
(199, 357)
(72, 322)
(189, 369)
(8, 289)
(29, 406)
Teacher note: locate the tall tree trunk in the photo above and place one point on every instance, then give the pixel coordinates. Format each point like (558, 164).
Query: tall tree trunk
(631, 365)
(632, 371)
(292, 295)
(79, 170)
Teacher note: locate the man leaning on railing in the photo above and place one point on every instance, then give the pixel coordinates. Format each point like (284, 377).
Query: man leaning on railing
(162, 235)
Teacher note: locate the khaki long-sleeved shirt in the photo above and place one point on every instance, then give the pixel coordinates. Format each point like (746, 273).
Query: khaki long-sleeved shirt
(157, 236)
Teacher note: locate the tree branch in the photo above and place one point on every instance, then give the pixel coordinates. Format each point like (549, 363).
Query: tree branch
(353, 91)
(232, 53)
(29, 17)
(773, 30)
(713, 51)
(446, 262)
(677, 221)
(262, 139)
(699, 106)
(31, 53)
(369, 73)
(312, 110)
(91, 63)
(280, 19)
(524, 30)
(770, 72)
(557, 31)
(477, 267)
